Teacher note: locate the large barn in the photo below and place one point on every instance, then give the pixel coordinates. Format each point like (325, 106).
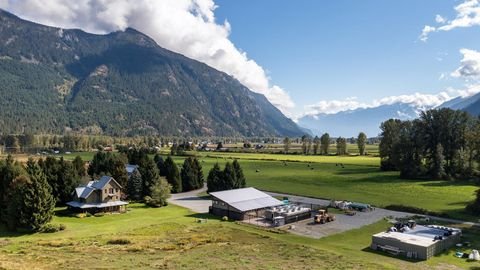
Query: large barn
(241, 204)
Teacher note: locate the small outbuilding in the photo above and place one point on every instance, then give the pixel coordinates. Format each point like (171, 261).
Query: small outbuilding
(241, 204)
(418, 242)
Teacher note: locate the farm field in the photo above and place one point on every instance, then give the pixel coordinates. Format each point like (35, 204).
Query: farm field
(359, 179)
(170, 238)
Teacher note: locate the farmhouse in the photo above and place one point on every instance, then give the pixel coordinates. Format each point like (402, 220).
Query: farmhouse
(243, 203)
(103, 195)
(419, 242)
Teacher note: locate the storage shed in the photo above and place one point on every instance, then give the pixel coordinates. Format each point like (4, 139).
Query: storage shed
(421, 242)
(240, 204)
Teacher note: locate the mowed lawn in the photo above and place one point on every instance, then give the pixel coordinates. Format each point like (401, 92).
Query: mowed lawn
(354, 178)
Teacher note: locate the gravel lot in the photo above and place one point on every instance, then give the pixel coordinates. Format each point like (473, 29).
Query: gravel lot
(342, 222)
(191, 201)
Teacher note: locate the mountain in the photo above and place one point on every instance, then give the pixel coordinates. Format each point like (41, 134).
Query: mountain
(469, 104)
(54, 80)
(350, 123)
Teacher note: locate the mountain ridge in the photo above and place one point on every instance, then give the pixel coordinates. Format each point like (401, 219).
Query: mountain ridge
(120, 83)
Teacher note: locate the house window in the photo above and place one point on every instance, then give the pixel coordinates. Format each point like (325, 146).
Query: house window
(111, 190)
(116, 190)
(105, 191)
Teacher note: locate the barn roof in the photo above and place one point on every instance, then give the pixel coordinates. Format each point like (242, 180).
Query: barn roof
(246, 199)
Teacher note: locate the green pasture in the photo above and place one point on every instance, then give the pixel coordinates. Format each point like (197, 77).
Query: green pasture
(354, 178)
(171, 238)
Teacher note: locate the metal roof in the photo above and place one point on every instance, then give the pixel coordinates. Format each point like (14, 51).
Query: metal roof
(95, 205)
(102, 182)
(131, 168)
(423, 236)
(246, 199)
(84, 192)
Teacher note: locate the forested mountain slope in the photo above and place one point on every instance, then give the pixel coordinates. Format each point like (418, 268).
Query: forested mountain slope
(54, 80)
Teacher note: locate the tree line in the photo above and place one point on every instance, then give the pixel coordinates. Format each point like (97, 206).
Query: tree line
(320, 145)
(440, 144)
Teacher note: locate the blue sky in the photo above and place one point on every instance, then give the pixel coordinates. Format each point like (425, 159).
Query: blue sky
(336, 49)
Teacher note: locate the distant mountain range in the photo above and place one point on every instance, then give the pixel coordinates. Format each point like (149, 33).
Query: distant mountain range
(350, 123)
(54, 80)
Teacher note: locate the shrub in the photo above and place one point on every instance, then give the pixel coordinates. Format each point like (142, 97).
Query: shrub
(119, 242)
(52, 228)
(80, 215)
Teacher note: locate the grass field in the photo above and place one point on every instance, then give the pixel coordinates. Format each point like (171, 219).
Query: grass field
(170, 238)
(358, 180)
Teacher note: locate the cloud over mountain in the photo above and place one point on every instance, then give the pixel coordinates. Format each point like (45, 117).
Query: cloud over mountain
(185, 26)
(469, 65)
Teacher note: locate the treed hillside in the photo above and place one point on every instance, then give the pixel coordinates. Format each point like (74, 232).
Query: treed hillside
(54, 80)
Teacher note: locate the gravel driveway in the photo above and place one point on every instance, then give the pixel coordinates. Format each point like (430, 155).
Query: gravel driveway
(191, 200)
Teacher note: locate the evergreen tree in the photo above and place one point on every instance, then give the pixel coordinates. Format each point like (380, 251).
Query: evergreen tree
(199, 172)
(9, 171)
(160, 164)
(79, 166)
(135, 186)
(67, 181)
(31, 203)
(229, 177)
(361, 141)
(159, 193)
(239, 176)
(118, 171)
(172, 175)
(149, 172)
(191, 174)
(214, 179)
(187, 173)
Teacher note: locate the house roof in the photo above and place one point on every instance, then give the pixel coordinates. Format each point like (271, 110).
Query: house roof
(102, 182)
(246, 199)
(131, 168)
(84, 192)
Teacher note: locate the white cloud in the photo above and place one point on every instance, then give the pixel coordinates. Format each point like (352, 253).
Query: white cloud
(334, 106)
(426, 31)
(185, 26)
(469, 65)
(467, 15)
(417, 100)
(440, 19)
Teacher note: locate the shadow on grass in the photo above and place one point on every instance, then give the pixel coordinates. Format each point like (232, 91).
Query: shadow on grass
(205, 216)
(5, 233)
(445, 183)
